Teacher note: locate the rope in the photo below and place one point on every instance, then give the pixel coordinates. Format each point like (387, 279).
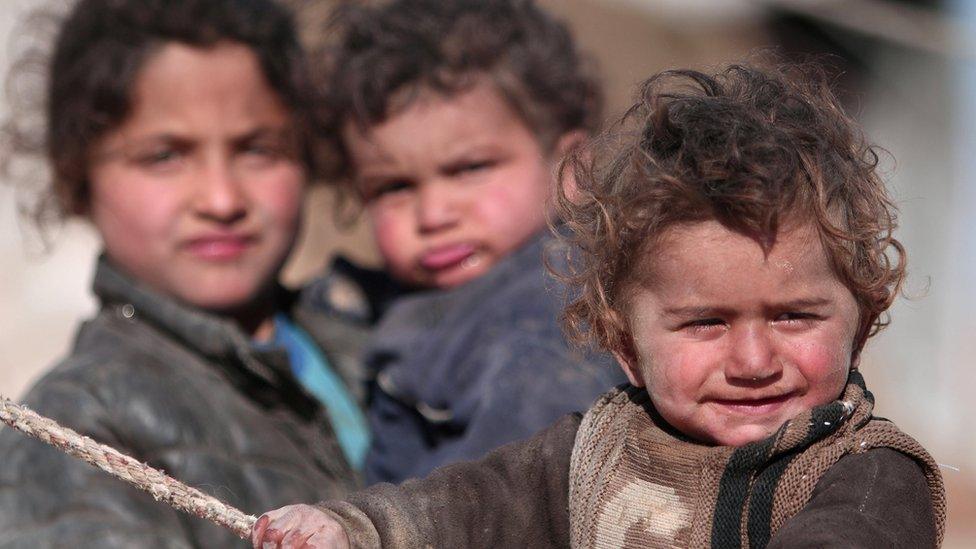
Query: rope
(162, 487)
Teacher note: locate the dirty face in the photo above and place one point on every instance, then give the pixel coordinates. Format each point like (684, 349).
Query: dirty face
(730, 342)
(198, 193)
(451, 184)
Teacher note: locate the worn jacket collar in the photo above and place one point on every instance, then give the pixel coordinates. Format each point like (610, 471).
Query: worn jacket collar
(218, 340)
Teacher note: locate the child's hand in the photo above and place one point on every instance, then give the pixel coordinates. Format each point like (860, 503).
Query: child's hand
(298, 526)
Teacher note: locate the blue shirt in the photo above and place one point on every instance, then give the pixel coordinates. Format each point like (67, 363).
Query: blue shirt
(315, 374)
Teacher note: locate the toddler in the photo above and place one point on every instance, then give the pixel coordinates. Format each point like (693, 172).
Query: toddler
(449, 117)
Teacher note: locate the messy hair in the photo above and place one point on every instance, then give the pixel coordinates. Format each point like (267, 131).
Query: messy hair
(98, 51)
(755, 149)
(388, 52)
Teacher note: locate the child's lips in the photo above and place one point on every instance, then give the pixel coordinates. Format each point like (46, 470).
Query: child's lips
(219, 247)
(446, 257)
(754, 406)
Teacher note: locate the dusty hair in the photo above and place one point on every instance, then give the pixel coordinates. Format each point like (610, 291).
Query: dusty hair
(82, 86)
(385, 53)
(755, 149)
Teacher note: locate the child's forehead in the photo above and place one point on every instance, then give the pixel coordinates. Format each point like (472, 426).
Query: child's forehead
(473, 102)
(709, 255)
(197, 93)
(436, 124)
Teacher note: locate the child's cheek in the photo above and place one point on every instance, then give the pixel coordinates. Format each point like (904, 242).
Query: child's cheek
(393, 235)
(279, 199)
(824, 366)
(677, 385)
(512, 208)
(683, 371)
(384, 230)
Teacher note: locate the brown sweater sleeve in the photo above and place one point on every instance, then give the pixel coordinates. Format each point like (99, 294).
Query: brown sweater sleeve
(876, 499)
(514, 497)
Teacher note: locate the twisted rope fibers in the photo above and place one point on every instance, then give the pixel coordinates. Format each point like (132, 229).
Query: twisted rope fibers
(161, 486)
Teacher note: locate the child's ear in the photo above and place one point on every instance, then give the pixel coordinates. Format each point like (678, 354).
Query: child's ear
(627, 358)
(564, 145)
(567, 142)
(859, 341)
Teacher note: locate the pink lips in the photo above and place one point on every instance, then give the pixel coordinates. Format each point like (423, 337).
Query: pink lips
(758, 406)
(446, 257)
(219, 247)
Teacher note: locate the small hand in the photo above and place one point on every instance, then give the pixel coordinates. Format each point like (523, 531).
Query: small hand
(298, 527)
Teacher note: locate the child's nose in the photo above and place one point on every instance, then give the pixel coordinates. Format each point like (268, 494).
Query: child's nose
(753, 359)
(219, 195)
(436, 207)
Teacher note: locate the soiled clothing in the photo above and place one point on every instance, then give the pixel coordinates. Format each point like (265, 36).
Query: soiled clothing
(463, 371)
(621, 478)
(635, 482)
(183, 391)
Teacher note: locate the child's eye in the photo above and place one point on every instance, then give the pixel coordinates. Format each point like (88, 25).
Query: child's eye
(473, 166)
(703, 325)
(160, 158)
(260, 149)
(264, 150)
(387, 188)
(796, 318)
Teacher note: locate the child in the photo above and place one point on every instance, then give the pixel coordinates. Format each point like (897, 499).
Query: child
(734, 256)
(449, 117)
(177, 129)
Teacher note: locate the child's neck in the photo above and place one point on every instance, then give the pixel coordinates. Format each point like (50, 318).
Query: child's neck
(256, 318)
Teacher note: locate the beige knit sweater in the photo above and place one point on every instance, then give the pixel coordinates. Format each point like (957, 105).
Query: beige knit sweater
(634, 482)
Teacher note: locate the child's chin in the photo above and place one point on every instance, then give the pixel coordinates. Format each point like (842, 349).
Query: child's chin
(224, 295)
(458, 276)
(742, 435)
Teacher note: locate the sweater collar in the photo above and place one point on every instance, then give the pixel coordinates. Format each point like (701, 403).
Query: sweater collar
(850, 411)
(677, 491)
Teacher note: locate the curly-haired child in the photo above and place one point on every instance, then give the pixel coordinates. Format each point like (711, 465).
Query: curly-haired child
(735, 253)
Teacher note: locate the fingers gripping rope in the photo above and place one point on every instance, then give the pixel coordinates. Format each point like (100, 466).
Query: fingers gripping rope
(162, 487)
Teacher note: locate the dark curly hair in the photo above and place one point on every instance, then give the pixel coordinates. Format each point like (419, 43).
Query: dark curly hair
(387, 52)
(752, 148)
(99, 49)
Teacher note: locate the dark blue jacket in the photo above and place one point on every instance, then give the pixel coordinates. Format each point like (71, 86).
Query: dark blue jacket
(462, 371)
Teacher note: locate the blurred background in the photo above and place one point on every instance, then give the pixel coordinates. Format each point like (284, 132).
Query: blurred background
(908, 73)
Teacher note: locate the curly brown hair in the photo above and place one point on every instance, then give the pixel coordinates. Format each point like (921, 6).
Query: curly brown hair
(385, 53)
(98, 50)
(752, 147)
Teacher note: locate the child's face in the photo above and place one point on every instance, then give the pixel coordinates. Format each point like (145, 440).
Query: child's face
(731, 344)
(451, 185)
(198, 193)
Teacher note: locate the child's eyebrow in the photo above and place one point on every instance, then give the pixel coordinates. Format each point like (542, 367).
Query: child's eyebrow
(804, 303)
(176, 136)
(696, 311)
(273, 132)
(378, 177)
(379, 163)
(133, 145)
